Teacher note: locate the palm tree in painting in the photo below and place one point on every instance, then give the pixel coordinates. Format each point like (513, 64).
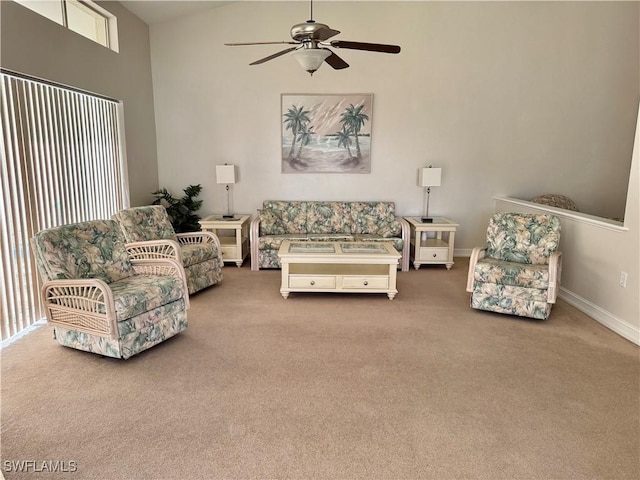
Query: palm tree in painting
(305, 138)
(353, 120)
(344, 140)
(295, 120)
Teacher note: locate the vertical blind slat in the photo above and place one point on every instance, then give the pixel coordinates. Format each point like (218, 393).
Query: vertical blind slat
(12, 233)
(62, 163)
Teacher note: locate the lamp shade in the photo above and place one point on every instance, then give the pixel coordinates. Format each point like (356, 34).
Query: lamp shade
(225, 174)
(311, 58)
(429, 177)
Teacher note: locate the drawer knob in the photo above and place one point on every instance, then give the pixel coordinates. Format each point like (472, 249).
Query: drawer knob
(313, 282)
(366, 283)
(435, 255)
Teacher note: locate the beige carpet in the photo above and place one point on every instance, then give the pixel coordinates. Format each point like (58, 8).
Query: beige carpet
(334, 387)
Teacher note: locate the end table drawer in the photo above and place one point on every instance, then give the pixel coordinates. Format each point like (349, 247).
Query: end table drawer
(304, 281)
(229, 251)
(434, 254)
(365, 282)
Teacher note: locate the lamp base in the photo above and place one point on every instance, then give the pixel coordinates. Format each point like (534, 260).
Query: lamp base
(427, 219)
(228, 217)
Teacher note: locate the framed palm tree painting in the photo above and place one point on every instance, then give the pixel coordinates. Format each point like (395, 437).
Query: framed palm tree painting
(326, 133)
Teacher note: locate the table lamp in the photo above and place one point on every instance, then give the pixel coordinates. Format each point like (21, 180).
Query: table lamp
(428, 177)
(226, 174)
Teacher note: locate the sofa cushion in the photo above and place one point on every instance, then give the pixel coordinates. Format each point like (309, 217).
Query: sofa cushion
(193, 253)
(270, 224)
(273, 242)
(141, 224)
(142, 293)
(291, 215)
(151, 325)
(397, 242)
(83, 250)
(328, 217)
(391, 229)
(526, 302)
(330, 237)
(490, 270)
(368, 217)
(523, 238)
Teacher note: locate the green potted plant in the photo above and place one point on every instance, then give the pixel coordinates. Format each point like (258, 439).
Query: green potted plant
(181, 211)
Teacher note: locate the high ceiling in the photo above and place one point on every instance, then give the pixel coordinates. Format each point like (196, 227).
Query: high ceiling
(155, 11)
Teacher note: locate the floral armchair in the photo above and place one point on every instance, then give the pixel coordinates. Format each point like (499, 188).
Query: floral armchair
(100, 300)
(149, 230)
(518, 271)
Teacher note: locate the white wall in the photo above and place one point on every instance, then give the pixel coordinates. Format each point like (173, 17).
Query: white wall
(594, 253)
(511, 98)
(36, 46)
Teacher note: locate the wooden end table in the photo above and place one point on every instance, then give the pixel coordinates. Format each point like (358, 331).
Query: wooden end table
(432, 243)
(233, 235)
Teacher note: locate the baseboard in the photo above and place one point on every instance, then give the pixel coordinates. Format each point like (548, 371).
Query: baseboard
(462, 252)
(600, 315)
(8, 341)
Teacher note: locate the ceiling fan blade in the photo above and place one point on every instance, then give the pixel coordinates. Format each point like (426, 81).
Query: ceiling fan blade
(336, 62)
(259, 43)
(271, 57)
(370, 47)
(326, 33)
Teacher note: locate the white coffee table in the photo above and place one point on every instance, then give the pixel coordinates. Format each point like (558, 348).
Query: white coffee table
(339, 267)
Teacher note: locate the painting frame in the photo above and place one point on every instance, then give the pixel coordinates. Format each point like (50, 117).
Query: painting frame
(326, 132)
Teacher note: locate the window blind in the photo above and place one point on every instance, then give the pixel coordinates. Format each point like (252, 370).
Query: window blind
(63, 162)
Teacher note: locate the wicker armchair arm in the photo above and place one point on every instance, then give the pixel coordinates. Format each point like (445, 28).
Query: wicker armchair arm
(199, 237)
(196, 237)
(154, 249)
(406, 243)
(555, 271)
(84, 305)
(162, 266)
(476, 254)
(254, 238)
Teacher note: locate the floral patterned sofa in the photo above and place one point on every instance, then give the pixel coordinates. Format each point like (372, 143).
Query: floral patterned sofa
(518, 271)
(198, 252)
(278, 220)
(100, 300)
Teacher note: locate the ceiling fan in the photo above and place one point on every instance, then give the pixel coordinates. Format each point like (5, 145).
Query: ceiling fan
(310, 39)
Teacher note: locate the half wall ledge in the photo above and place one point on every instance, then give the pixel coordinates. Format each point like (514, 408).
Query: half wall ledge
(585, 218)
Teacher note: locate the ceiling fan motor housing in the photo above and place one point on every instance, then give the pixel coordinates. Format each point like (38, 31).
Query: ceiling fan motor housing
(308, 31)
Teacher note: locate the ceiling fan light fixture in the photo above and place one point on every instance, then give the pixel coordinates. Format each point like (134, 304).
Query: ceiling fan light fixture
(311, 58)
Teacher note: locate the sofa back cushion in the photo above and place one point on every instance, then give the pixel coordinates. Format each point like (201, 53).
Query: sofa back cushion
(278, 217)
(523, 237)
(328, 217)
(140, 224)
(369, 217)
(92, 249)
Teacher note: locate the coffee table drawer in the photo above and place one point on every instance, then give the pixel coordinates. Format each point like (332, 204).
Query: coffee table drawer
(304, 281)
(365, 282)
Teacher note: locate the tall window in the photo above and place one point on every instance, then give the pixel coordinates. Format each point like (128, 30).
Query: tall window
(82, 16)
(62, 162)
